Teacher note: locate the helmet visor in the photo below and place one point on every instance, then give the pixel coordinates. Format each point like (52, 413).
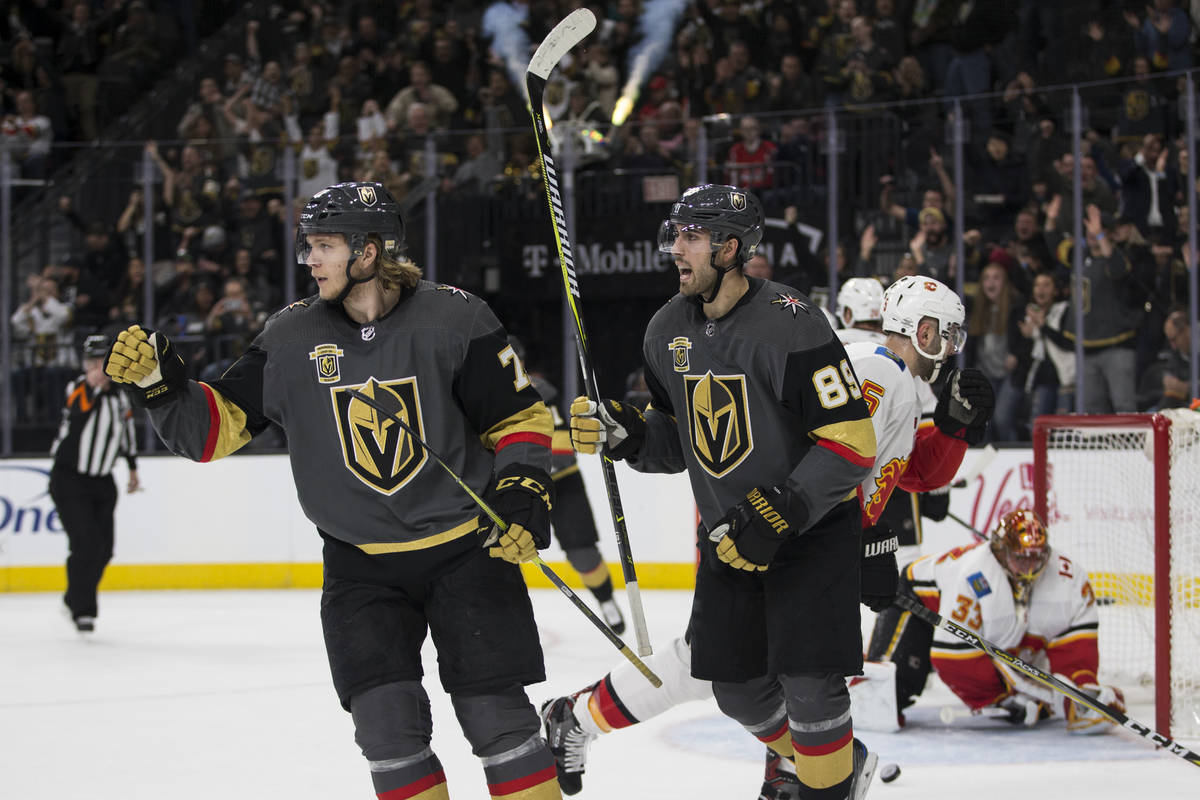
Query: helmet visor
(955, 337)
(670, 232)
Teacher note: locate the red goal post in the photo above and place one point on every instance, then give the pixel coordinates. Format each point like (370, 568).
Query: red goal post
(1121, 494)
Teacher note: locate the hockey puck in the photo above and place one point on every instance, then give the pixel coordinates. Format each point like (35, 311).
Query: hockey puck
(889, 772)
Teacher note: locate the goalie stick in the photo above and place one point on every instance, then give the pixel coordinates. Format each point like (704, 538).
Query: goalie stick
(608, 632)
(572, 30)
(918, 609)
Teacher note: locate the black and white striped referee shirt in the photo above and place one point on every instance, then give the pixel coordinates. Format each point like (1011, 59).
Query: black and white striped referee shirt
(96, 428)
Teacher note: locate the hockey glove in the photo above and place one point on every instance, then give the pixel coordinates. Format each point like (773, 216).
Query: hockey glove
(880, 575)
(750, 533)
(146, 362)
(522, 498)
(1023, 709)
(1083, 721)
(619, 427)
(965, 405)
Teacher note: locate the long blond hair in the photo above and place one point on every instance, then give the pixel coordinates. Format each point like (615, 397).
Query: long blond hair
(393, 271)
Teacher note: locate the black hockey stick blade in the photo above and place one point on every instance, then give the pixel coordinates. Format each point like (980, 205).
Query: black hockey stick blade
(549, 572)
(918, 609)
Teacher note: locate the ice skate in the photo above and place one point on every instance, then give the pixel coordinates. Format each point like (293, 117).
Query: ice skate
(613, 616)
(864, 770)
(779, 779)
(568, 742)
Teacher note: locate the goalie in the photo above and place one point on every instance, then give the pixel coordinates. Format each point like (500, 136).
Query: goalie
(1016, 591)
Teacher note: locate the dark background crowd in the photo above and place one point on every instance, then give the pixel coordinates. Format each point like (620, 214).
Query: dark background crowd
(426, 98)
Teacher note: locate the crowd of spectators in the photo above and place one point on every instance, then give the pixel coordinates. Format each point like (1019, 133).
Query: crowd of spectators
(410, 93)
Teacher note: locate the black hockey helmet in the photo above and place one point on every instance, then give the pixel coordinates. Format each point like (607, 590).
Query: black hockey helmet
(355, 210)
(723, 211)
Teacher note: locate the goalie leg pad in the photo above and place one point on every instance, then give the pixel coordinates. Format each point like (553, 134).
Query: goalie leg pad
(873, 697)
(393, 726)
(903, 639)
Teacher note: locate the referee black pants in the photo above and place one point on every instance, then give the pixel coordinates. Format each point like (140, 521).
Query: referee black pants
(85, 505)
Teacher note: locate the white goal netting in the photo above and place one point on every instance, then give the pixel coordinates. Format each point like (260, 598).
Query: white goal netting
(1101, 507)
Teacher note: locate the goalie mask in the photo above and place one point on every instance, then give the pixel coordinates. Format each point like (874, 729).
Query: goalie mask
(863, 298)
(725, 212)
(1022, 547)
(354, 210)
(914, 298)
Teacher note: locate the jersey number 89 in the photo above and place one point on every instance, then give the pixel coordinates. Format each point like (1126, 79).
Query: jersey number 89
(834, 389)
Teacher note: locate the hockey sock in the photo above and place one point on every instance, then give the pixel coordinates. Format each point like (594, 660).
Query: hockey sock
(527, 772)
(599, 582)
(824, 761)
(601, 710)
(418, 777)
(777, 738)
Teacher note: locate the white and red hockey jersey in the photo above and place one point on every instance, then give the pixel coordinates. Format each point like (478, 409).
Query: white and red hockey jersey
(913, 457)
(967, 585)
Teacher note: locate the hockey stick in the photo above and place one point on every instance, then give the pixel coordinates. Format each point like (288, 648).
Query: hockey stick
(979, 537)
(572, 30)
(609, 633)
(918, 609)
(986, 456)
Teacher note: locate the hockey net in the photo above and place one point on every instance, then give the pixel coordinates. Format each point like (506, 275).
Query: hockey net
(1121, 494)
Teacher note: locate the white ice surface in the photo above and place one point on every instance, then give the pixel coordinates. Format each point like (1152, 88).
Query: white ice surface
(201, 695)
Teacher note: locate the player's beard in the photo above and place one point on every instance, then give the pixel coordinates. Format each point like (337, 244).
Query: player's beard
(701, 280)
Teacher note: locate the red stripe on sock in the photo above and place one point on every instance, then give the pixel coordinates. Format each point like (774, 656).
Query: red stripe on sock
(607, 705)
(822, 749)
(518, 784)
(415, 788)
(777, 734)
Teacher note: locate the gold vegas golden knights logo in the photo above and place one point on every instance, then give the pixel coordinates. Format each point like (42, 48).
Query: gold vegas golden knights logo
(679, 347)
(379, 452)
(718, 420)
(326, 356)
(737, 200)
(367, 195)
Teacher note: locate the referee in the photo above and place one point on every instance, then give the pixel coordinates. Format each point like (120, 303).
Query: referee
(96, 428)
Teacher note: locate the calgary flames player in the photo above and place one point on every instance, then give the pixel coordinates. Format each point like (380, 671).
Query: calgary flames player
(921, 329)
(1017, 592)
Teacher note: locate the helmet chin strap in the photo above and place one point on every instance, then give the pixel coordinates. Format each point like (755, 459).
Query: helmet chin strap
(351, 281)
(939, 358)
(712, 260)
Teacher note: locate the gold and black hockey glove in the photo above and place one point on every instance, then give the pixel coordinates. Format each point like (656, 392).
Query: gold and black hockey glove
(617, 427)
(965, 405)
(880, 575)
(522, 497)
(147, 364)
(750, 533)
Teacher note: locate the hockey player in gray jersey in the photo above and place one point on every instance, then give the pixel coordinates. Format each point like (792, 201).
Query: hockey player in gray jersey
(754, 396)
(406, 551)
